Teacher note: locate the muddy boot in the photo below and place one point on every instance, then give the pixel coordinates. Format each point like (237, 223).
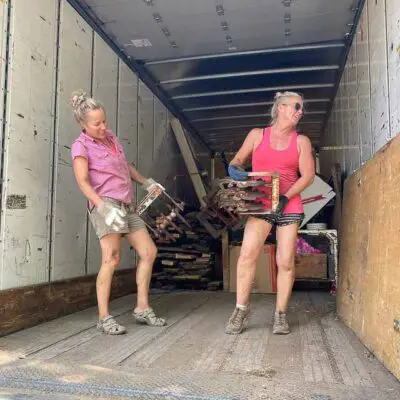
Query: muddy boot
(280, 326)
(238, 321)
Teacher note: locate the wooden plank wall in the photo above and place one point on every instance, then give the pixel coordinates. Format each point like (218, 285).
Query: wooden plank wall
(369, 274)
(31, 305)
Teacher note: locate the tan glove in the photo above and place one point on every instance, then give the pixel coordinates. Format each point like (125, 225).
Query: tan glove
(112, 215)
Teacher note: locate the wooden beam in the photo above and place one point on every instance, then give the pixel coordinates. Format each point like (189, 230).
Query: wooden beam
(189, 160)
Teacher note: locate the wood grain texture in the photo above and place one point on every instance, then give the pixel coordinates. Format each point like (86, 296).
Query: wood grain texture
(31, 305)
(369, 274)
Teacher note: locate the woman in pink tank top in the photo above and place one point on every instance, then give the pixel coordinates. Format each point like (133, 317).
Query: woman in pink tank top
(277, 148)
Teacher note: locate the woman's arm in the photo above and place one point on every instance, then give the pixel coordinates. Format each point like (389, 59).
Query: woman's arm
(81, 171)
(136, 175)
(247, 147)
(306, 167)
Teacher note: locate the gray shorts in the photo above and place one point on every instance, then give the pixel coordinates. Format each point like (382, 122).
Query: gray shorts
(132, 221)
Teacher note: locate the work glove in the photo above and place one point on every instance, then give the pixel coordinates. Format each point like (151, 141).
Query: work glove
(283, 200)
(149, 185)
(112, 215)
(237, 172)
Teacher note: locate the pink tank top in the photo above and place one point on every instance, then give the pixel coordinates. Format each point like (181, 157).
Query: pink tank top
(286, 162)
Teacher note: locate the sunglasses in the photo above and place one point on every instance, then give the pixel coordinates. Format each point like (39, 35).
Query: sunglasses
(296, 106)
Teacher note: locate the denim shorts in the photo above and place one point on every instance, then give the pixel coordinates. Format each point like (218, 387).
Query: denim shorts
(282, 219)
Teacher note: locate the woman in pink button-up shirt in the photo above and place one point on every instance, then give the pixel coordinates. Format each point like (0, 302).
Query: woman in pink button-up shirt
(105, 178)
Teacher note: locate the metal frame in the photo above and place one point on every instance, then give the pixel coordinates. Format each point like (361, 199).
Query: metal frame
(255, 126)
(247, 53)
(252, 73)
(248, 116)
(254, 104)
(255, 90)
(331, 234)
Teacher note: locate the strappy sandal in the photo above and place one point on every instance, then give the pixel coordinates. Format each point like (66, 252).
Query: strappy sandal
(110, 326)
(148, 317)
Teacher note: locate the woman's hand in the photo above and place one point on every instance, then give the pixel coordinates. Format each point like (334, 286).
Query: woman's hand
(112, 215)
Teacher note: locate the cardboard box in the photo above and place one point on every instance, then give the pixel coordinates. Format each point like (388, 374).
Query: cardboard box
(311, 266)
(265, 279)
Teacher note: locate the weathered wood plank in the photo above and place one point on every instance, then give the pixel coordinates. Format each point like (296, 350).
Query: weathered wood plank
(31, 305)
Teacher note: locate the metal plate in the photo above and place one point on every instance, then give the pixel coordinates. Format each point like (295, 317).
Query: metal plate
(127, 133)
(105, 73)
(28, 144)
(70, 215)
(145, 133)
(378, 73)
(393, 49)
(105, 89)
(364, 87)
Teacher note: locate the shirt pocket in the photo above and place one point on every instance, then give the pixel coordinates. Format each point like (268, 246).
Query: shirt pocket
(101, 157)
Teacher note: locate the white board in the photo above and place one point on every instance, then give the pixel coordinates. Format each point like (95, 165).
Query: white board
(315, 197)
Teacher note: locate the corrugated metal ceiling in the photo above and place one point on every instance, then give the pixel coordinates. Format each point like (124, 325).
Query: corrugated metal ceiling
(219, 62)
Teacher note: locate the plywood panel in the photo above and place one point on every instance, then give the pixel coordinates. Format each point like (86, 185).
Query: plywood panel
(127, 131)
(369, 291)
(70, 215)
(378, 73)
(105, 75)
(28, 144)
(393, 44)
(363, 87)
(145, 133)
(105, 89)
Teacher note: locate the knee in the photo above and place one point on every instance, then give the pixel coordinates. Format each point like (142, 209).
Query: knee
(285, 264)
(113, 259)
(149, 254)
(247, 256)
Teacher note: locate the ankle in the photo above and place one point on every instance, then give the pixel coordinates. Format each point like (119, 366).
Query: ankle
(242, 307)
(139, 310)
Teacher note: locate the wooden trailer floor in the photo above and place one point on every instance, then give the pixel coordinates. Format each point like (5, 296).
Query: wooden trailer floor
(192, 358)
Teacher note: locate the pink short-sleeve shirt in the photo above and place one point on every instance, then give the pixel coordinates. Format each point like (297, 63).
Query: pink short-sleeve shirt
(108, 170)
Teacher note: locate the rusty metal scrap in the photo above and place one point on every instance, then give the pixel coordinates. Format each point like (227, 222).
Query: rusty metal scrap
(161, 213)
(247, 196)
(230, 200)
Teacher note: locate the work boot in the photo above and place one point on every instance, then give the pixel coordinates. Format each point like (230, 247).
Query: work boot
(238, 321)
(280, 326)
